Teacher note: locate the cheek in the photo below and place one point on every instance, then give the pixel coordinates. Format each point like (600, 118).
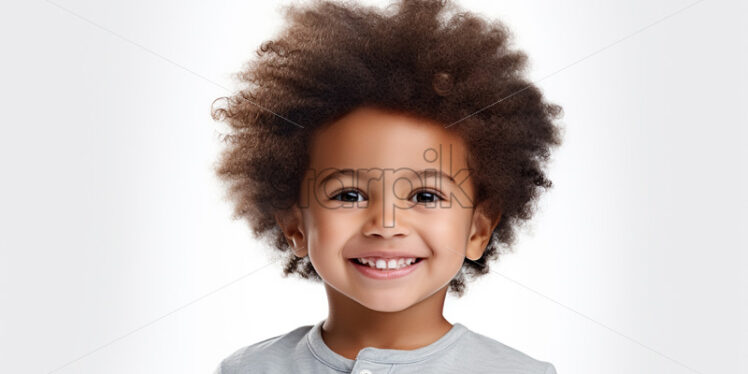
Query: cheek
(332, 227)
(446, 230)
(328, 233)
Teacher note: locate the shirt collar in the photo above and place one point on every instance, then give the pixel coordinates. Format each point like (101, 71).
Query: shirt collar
(379, 355)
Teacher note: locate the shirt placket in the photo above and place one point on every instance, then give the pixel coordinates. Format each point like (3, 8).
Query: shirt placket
(368, 367)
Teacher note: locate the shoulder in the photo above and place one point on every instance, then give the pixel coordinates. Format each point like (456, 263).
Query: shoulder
(491, 355)
(263, 353)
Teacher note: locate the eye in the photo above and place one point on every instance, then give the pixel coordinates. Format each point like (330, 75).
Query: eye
(351, 196)
(348, 196)
(430, 196)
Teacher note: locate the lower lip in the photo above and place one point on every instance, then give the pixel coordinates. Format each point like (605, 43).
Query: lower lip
(385, 274)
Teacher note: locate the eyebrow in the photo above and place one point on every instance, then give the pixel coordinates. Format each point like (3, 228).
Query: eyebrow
(421, 173)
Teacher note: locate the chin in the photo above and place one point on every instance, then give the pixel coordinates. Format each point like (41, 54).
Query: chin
(385, 303)
(387, 308)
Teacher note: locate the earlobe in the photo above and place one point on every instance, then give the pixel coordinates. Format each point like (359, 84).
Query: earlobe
(291, 223)
(480, 234)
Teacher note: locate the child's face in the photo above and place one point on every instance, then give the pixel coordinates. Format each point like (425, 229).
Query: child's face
(385, 209)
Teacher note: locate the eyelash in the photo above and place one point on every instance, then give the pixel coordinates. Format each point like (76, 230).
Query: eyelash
(436, 194)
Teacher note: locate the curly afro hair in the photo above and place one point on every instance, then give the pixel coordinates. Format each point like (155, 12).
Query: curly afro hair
(415, 56)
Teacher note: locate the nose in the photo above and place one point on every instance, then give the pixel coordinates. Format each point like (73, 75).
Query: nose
(385, 218)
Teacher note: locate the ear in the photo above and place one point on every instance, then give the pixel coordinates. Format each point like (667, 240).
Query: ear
(291, 223)
(480, 233)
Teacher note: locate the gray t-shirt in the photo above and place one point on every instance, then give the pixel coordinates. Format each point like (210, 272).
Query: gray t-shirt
(460, 350)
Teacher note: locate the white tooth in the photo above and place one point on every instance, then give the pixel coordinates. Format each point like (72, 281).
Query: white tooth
(366, 261)
(392, 263)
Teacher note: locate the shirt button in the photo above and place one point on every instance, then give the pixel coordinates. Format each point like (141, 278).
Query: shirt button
(365, 371)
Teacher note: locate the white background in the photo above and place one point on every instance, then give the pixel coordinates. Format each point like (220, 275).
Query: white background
(118, 254)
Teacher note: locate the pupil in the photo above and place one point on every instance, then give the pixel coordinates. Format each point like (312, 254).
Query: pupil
(427, 194)
(349, 194)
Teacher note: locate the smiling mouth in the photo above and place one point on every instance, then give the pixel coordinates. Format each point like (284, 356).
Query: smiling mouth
(384, 265)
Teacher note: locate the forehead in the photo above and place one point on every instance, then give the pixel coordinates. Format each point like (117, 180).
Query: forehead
(373, 138)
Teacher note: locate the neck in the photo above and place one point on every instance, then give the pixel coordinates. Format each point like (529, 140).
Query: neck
(351, 326)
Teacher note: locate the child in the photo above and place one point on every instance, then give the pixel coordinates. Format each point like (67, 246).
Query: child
(388, 154)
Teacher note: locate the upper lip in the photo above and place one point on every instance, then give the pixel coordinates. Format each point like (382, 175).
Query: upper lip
(385, 254)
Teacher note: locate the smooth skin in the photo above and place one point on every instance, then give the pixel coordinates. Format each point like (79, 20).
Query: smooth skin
(386, 206)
